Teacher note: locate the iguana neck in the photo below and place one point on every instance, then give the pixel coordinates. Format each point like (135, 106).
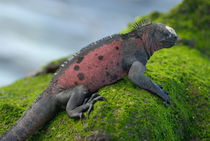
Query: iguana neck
(150, 45)
(146, 41)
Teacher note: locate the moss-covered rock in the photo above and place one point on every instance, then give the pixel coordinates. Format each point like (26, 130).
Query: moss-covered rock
(130, 112)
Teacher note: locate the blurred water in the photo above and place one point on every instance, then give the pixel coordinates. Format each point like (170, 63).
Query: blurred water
(34, 32)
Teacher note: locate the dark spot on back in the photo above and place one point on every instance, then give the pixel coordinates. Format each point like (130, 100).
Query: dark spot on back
(76, 68)
(117, 48)
(117, 64)
(80, 58)
(103, 81)
(81, 76)
(100, 57)
(75, 83)
(106, 68)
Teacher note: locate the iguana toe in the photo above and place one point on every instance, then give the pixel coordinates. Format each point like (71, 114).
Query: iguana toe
(93, 99)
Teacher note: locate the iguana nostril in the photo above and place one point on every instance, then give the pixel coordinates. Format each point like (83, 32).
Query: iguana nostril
(175, 37)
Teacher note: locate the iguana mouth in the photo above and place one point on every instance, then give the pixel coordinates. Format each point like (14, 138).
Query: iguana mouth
(168, 44)
(169, 41)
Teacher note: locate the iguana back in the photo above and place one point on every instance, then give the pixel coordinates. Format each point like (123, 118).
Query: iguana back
(95, 66)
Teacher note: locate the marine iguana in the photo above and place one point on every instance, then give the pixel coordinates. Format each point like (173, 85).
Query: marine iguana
(102, 63)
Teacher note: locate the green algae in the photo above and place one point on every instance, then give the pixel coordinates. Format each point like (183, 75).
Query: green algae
(132, 113)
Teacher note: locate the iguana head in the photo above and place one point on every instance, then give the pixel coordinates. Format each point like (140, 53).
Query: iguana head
(163, 35)
(156, 36)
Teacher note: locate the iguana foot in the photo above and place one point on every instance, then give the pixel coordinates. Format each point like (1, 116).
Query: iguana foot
(164, 93)
(161, 87)
(92, 100)
(77, 110)
(167, 99)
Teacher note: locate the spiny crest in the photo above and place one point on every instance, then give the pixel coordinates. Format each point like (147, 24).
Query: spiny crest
(141, 24)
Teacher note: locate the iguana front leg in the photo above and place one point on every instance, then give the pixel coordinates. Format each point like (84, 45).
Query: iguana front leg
(136, 75)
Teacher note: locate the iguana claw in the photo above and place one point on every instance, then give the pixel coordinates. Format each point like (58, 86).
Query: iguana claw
(93, 99)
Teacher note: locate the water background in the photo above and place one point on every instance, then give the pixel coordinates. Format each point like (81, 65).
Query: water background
(34, 32)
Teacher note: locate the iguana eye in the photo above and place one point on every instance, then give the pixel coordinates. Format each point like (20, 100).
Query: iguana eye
(166, 34)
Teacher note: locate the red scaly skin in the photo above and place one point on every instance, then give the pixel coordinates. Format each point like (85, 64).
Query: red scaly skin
(98, 68)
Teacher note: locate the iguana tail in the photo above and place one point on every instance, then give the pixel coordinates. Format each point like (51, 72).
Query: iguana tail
(40, 112)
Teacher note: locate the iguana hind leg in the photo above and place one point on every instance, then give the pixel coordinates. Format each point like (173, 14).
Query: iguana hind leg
(136, 75)
(86, 106)
(78, 100)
